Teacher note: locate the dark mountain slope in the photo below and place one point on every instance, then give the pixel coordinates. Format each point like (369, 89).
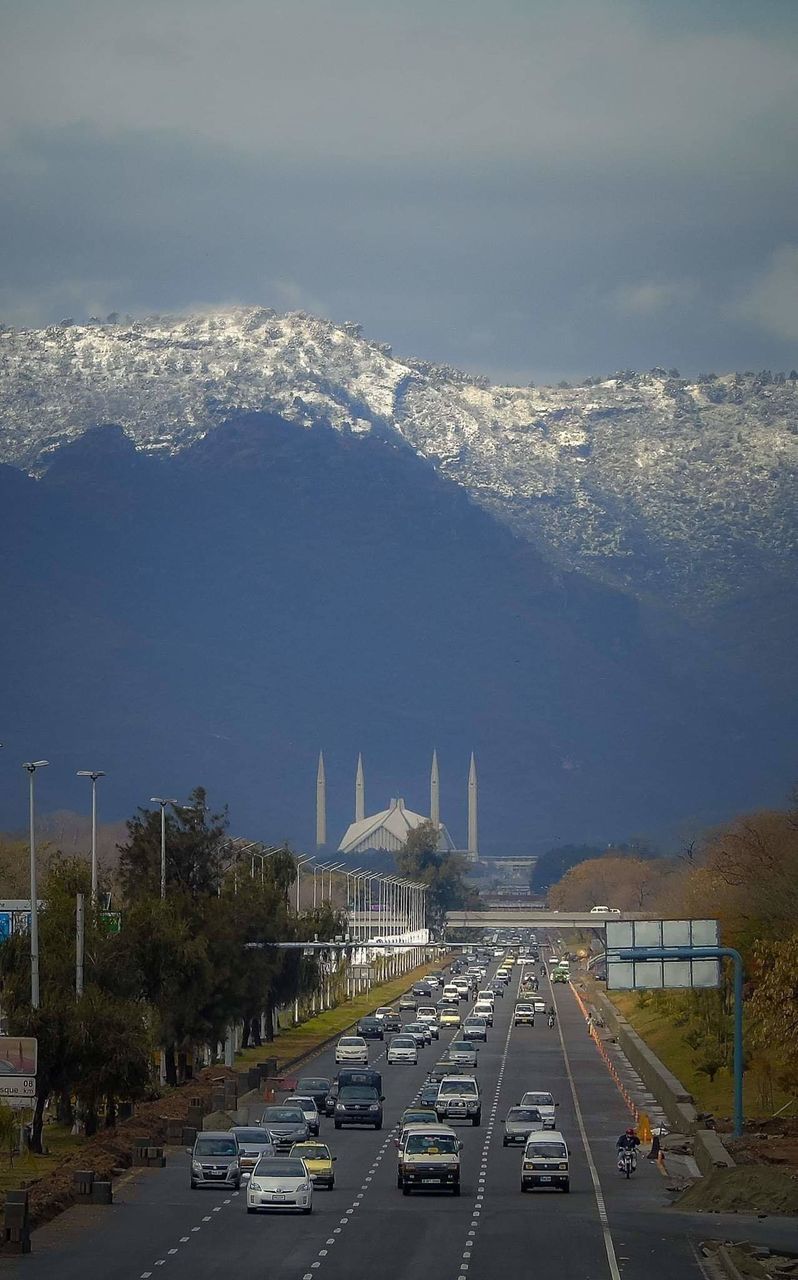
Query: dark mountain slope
(219, 614)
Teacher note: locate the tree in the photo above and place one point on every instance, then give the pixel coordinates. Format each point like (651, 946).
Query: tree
(629, 883)
(195, 847)
(774, 1003)
(553, 864)
(419, 859)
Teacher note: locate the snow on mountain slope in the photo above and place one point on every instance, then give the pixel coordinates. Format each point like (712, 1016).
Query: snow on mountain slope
(669, 489)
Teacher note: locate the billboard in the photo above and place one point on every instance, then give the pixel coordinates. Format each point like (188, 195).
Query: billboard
(647, 975)
(18, 1060)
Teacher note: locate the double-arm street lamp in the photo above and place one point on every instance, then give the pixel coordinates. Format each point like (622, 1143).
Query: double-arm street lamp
(163, 803)
(94, 774)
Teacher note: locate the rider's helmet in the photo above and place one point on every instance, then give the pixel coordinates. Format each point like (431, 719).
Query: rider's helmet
(630, 1133)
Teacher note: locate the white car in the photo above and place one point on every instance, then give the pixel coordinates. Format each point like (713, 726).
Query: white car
(484, 1009)
(451, 994)
(280, 1182)
(431, 981)
(540, 1006)
(402, 1049)
(488, 995)
(352, 1049)
(309, 1110)
(545, 1104)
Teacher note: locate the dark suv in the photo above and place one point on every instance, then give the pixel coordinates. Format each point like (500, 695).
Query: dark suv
(371, 1028)
(315, 1087)
(358, 1104)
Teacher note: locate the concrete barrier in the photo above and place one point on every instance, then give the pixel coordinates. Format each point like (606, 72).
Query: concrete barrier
(709, 1152)
(677, 1103)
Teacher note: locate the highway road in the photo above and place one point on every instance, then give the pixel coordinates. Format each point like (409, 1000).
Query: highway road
(606, 1228)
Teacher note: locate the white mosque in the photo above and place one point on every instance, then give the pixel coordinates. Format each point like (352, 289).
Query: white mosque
(388, 829)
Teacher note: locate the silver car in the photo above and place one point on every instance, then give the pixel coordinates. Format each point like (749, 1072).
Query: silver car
(545, 1104)
(461, 1053)
(402, 1049)
(519, 1123)
(287, 1125)
(254, 1142)
(309, 1110)
(280, 1182)
(215, 1160)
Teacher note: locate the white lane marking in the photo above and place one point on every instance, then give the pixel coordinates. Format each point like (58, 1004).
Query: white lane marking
(184, 1239)
(207, 1218)
(609, 1247)
(196, 1228)
(172, 1251)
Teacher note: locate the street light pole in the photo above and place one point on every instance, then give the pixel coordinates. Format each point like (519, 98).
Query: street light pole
(94, 774)
(163, 803)
(31, 767)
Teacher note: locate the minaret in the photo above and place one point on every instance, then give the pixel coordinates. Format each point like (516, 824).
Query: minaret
(321, 804)
(434, 792)
(360, 791)
(473, 841)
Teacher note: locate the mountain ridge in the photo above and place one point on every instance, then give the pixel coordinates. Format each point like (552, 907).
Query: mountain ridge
(673, 490)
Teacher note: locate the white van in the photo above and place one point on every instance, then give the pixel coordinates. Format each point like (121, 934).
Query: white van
(546, 1161)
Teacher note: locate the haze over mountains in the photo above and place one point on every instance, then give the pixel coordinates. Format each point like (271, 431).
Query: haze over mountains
(291, 539)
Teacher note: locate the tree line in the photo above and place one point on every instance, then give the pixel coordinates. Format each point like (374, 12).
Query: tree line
(171, 980)
(745, 874)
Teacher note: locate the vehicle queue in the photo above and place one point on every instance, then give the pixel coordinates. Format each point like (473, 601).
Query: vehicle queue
(285, 1156)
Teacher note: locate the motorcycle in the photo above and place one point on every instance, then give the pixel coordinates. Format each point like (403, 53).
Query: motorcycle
(627, 1162)
(551, 1020)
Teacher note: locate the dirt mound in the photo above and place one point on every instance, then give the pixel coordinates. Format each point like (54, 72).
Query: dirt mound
(746, 1189)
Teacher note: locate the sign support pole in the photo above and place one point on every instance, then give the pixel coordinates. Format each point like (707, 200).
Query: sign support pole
(708, 953)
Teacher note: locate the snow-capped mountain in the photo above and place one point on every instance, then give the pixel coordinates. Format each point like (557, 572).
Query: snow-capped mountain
(673, 490)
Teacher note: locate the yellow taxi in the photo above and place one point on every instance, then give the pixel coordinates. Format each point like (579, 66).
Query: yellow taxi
(449, 1018)
(319, 1161)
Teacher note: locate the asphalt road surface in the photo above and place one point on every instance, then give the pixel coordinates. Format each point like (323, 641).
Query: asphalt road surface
(605, 1228)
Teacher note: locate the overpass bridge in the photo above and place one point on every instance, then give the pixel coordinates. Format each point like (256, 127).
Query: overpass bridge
(535, 918)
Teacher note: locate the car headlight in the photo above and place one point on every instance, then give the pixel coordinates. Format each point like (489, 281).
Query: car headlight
(233, 1168)
(563, 1166)
(255, 1186)
(375, 1106)
(339, 1106)
(196, 1166)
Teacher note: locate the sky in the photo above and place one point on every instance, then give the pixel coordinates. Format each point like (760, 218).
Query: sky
(527, 189)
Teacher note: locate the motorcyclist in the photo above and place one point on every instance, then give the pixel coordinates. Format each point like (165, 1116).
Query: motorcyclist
(628, 1141)
(552, 1014)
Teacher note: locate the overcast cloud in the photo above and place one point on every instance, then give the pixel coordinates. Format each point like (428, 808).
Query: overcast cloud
(533, 190)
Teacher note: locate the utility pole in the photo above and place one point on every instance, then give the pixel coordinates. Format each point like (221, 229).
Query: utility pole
(31, 768)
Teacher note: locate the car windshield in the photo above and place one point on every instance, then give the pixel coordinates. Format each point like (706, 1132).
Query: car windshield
(403, 1042)
(457, 1086)
(275, 1167)
(537, 1100)
(317, 1151)
(283, 1115)
(384, 1010)
(350, 1042)
(307, 1104)
(523, 1008)
(461, 1046)
(216, 1147)
(523, 1113)
(415, 1117)
(310, 1084)
(430, 1145)
(357, 1093)
(253, 1137)
(546, 1150)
